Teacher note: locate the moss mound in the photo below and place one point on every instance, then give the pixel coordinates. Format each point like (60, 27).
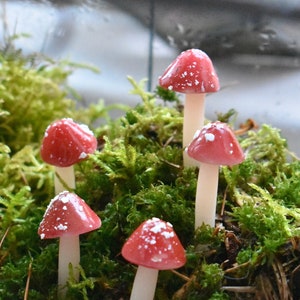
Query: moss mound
(137, 174)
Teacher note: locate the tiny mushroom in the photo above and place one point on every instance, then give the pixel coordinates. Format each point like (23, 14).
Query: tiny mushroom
(66, 217)
(153, 246)
(193, 74)
(66, 143)
(214, 145)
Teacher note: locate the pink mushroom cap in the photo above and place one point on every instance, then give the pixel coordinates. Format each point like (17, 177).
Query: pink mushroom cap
(154, 244)
(67, 215)
(65, 143)
(192, 72)
(216, 144)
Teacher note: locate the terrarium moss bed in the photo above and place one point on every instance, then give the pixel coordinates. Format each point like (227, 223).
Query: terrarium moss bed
(136, 174)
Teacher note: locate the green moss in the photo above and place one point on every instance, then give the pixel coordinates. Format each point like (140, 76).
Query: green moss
(23, 91)
(136, 174)
(268, 222)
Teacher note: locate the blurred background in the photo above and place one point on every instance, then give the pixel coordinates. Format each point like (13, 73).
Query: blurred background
(254, 44)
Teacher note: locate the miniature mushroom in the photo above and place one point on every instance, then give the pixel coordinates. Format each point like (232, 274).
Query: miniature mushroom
(66, 217)
(153, 246)
(193, 74)
(214, 145)
(64, 144)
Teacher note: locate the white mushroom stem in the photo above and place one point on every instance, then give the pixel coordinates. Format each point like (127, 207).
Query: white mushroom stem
(64, 177)
(69, 253)
(193, 120)
(206, 195)
(144, 284)
(69, 249)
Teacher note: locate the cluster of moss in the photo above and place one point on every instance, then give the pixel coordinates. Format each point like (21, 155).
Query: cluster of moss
(136, 174)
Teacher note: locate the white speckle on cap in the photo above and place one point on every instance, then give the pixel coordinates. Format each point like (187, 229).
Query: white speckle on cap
(152, 242)
(158, 227)
(82, 155)
(209, 137)
(167, 234)
(169, 224)
(196, 134)
(156, 259)
(62, 227)
(86, 129)
(64, 199)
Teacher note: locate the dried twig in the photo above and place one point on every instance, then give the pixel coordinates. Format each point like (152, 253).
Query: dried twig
(239, 289)
(282, 285)
(28, 281)
(4, 236)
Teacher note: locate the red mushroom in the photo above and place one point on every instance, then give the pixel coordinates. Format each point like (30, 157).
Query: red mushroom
(212, 146)
(66, 217)
(193, 74)
(66, 143)
(153, 246)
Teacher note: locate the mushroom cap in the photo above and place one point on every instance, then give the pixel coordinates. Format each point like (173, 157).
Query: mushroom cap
(192, 72)
(67, 215)
(216, 144)
(154, 244)
(66, 143)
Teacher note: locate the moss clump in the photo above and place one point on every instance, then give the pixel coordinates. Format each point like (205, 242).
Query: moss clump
(136, 174)
(24, 91)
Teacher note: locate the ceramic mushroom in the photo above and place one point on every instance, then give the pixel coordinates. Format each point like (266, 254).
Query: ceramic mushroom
(214, 145)
(66, 143)
(66, 217)
(153, 246)
(193, 74)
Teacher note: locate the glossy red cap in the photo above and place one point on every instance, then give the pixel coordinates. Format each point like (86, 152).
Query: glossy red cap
(192, 72)
(67, 215)
(154, 244)
(216, 144)
(65, 143)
